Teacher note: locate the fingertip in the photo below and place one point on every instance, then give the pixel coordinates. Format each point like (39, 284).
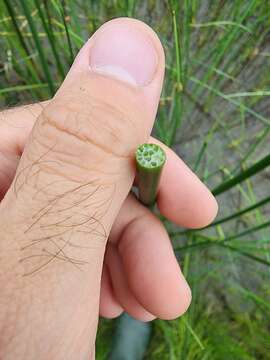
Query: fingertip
(182, 197)
(110, 314)
(209, 210)
(109, 307)
(147, 317)
(121, 289)
(180, 306)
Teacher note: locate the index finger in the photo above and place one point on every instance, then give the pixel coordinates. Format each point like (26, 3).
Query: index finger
(182, 197)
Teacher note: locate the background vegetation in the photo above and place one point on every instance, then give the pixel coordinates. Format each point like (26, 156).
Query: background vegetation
(214, 112)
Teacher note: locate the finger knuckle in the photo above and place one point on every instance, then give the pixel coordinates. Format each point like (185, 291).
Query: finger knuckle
(95, 122)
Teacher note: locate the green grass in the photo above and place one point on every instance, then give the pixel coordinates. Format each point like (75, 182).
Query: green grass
(214, 112)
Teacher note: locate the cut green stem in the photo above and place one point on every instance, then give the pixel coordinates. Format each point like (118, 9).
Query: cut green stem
(132, 336)
(150, 159)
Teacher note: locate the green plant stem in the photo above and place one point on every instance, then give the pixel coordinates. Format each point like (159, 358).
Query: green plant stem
(132, 336)
(150, 159)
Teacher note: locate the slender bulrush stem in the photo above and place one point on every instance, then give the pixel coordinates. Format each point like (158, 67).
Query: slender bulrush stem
(132, 336)
(150, 159)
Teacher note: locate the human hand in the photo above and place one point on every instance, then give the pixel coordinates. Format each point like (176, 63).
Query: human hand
(69, 203)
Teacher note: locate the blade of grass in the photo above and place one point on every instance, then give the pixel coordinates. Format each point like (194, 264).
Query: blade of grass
(177, 104)
(130, 7)
(221, 24)
(75, 18)
(51, 39)
(19, 88)
(32, 67)
(234, 102)
(256, 298)
(77, 39)
(177, 46)
(228, 39)
(248, 94)
(253, 147)
(243, 175)
(64, 16)
(186, 38)
(244, 253)
(248, 231)
(204, 146)
(193, 333)
(39, 46)
(213, 241)
(237, 214)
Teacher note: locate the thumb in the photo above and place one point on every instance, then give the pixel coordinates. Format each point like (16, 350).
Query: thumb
(73, 177)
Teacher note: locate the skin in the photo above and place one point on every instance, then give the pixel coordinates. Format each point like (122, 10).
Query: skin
(75, 243)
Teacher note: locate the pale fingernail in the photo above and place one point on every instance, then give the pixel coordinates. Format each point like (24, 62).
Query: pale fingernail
(126, 52)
